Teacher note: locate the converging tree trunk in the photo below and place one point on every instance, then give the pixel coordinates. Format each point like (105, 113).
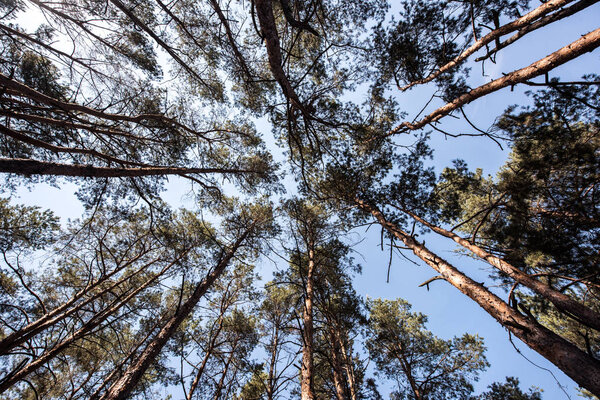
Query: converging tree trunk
(580, 366)
(122, 388)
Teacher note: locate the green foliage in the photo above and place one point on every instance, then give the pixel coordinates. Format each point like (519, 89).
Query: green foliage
(425, 367)
(508, 390)
(539, 212)
(25, 228)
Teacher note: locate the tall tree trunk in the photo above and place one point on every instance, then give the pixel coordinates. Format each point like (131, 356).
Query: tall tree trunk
(306, 372)
(406, 368)
(221, 382)
(209, 352)
(348, 367)
(584, 44)
(580, 366)
(271, 380)
(338, 379)
(583, 314)
(85, 329)
(65, 310)
(122, 388)
(119, 368)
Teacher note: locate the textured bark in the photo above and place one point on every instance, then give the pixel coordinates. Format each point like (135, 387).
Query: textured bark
(63, 311)
(336, 364)
(580, 366)
(546, 20)
(23, 166)
(268, 28)
(517, 24)
(563, 302)
(122, 388)
(84, 330)
(583, 45)
(306, 371)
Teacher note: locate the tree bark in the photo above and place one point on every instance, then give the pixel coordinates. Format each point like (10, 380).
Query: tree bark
(306, 371)
(580, 366)
(583, 45)
(122, 388)
(338, 380)
(349, 368)
(268, 27)
(563, 302)
(517, 24)
(94, 322)
(24, 166)
(65, 310)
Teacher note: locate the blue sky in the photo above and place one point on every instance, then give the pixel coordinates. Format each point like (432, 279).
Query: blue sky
(450, 313)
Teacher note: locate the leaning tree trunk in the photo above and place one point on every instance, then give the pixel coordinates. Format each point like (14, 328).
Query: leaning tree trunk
(580, 366)
(84, 330)
(564, 303)
(122, 388)
(68, 308)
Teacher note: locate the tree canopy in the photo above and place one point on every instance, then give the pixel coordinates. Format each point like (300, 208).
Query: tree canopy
(292, 124)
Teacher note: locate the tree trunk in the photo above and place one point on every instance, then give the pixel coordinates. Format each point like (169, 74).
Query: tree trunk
(221, 382)
(306, 372)
(338, 380)
(580, 366)
(581, 46)
(209, 352)
(85, 329)
(271, 380)
(64, 310)
(583, 314)
(348, 367)
(121, 389)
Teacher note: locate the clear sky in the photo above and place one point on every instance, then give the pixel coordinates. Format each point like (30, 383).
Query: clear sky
(450, 313)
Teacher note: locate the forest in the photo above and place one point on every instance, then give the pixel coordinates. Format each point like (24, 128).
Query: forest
(264, 199)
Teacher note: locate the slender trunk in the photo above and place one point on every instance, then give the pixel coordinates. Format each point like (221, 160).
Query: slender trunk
(348, 367)
(24, 166)
(306, 372)
(94, 322)
(121, 389)
(118, 368)
(221, 382)
(271, 384)
(63, 311)
(581, 46)
(517, 24)
(563, 302)
(408, 373)
(580, 366)
(209, 351)
(338, 380)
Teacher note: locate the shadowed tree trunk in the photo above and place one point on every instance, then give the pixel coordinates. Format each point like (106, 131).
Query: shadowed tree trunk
(580, 366)
(121, 389)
